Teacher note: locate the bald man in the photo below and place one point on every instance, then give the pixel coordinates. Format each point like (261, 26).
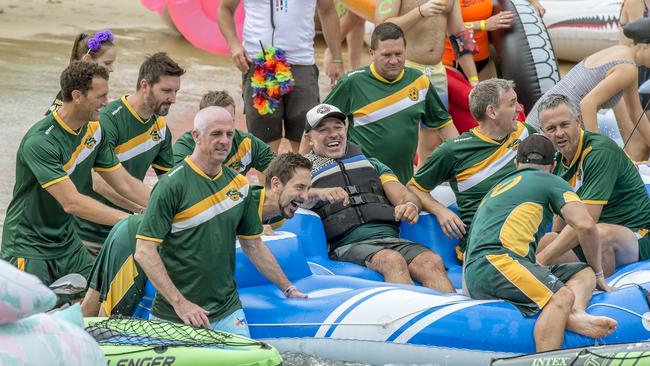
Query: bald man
(196, 212)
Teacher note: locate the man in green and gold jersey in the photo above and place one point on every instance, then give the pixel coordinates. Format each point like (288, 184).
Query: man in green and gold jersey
(53, 170)
(606, 180)
(500, 260)
(475, 161)
(247, 150)
(136, 132)
(186, 242)
(386, 102)
(117, 282)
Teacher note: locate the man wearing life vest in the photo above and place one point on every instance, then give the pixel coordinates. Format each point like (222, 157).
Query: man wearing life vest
(608, 183)
(195, 214)
(361, 203)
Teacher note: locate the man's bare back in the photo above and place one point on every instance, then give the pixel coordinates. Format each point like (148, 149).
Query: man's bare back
(425, 41)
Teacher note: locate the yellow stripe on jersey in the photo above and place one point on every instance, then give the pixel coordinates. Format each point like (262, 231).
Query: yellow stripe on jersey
(151, 134)
(277, 224)
(260, 208)
(418, 186)
(120, 285)
(500, 153)
(20, 263)
(520, 277)
(55, 181)
(131, 109)
(577, 154)
(98, 169)
(418, 84)
(148, 238)
(199, 171)
(520, 227)
(244, 148)
(570, 197)
(92, 128)
(444, 124)
(63, 124)
(381, 78)
(236, 184)
(387, 177)
(573, 181)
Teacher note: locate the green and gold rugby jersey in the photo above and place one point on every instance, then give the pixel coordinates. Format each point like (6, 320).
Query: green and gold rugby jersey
(258, 193)
(384, 116)
(197, 219)
(601, 173)
(472, 164)
(36, 226)
(137, 144)
(514, 215)
(247, 152)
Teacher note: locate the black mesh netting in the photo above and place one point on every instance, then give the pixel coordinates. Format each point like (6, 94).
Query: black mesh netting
(139, 332)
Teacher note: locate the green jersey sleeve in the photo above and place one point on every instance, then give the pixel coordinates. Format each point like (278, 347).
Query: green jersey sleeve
(106, 158)
(250, 225)
(385, 173)
(560, 193)
(262, 154)
(435, 114)
(157, 220)
(183, 147)
(164, 161)
(339, 96)
(597, 187)
(43, 160)
(438, 168)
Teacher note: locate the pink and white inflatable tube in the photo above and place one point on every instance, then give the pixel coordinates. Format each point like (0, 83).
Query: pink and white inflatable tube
(196, 20)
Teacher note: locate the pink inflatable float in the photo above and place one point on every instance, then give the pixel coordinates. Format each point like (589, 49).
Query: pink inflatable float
(196, 20)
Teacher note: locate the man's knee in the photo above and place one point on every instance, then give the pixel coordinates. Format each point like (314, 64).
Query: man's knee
(428, 259)
(387, 260)
(546, 240)
(563, 299)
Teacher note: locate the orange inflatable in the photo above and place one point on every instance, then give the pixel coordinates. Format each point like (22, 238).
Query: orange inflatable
(472, 10)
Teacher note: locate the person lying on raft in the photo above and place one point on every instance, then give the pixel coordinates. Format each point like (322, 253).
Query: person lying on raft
(426, 26)
(475, 161)
(186, 242)
(53, 175)
(116, 284)
(608, 183)
(137, 133)
(361, 203)
(247, 150)
(609, 79)
(98, 48)
(500, 262)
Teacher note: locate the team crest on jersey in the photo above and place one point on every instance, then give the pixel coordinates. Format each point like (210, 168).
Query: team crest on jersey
(90, 142)
(514, 145)
(234, 194)
(155, 135)
(236, 166)
(413, 94)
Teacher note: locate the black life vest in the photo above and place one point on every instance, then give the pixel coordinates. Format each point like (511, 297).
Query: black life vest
(358, 177)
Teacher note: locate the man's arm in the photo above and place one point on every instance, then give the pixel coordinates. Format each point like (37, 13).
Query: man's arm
(389, 11)
(265, 262)
(226, 20)
(100, 186)
(407, 205)
(83, 206)
(455, 25)
(568, 237)
(146, 254)
(126, 185)
(451, 224)
(332, 33)
(448, 131)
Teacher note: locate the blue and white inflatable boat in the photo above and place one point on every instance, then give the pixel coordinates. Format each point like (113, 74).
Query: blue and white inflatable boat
(350, 316)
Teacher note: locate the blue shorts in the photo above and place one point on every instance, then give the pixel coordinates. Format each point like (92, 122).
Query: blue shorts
(234, 323)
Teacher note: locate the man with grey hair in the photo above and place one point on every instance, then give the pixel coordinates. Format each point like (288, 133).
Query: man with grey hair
(194, 216)
(476, 160)
(617, 200)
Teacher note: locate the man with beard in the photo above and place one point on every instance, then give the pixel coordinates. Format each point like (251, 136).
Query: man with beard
(117, 282)
(361, 203)
(186, 241)
(136, 132)
(53, 170)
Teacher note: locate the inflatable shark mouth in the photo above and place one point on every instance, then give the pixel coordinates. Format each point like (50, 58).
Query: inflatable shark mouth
(590, 22)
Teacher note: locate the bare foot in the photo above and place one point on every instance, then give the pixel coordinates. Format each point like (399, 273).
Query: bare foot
(589, 325)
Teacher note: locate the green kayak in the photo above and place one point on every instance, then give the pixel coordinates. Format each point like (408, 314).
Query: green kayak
(137, 342)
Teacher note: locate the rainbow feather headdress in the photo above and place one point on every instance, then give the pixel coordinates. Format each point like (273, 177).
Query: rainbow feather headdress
(272, 78)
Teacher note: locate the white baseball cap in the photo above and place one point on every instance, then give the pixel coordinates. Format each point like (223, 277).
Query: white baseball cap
(320, 112)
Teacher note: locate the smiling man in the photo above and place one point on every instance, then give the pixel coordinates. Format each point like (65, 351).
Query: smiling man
(53, 170)
(186, 242)
(606, 180)
(136, 133)
(361, 203)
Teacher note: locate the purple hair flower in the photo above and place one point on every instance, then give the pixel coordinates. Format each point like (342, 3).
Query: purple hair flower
(95, 43)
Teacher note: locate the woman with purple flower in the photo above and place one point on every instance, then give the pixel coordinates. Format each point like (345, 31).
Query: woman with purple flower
(98, 48)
